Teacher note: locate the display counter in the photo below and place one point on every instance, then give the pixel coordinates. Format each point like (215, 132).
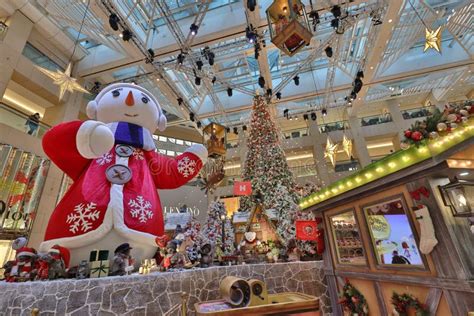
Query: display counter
(401, 234)
(156, 294)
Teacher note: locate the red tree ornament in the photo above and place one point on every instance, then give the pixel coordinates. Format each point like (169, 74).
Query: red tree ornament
(416, 136)
(407, 133)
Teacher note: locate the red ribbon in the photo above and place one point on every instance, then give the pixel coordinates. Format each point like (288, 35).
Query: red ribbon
(416, 195)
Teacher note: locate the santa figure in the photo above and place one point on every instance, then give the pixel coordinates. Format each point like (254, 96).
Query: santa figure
(25, 265)
(116, 171)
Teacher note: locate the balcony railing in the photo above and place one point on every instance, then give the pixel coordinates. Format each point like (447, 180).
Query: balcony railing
(17, 119)
(334, 126)
(376, 119)
(416, 113)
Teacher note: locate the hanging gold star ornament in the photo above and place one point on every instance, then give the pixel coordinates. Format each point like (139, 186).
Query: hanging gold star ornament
(63, 80)
(433, 39)
(347, 145)
(330, 151)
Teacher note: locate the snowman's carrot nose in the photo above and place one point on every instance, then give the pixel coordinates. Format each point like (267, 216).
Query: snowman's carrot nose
(129, 100)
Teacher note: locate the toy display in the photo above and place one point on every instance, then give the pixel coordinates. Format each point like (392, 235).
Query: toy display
(25, 265)
(99, 263)
(83, 270)
(122, 263)
(116, 171)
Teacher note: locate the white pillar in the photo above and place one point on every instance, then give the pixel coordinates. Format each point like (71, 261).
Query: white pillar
(67, 111)
(19, 29)
(359, 141)
(318, 154)
(401, 124)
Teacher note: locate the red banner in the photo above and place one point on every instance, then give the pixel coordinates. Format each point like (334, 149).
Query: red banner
(242, 188)
(306, 230)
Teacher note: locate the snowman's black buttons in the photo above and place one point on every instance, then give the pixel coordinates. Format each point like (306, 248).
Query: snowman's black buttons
(124, 150)
(118, 174)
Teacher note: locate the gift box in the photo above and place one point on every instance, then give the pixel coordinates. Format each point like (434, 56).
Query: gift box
(99, 263)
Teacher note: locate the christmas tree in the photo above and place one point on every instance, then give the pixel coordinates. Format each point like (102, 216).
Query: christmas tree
(266, 168)
(212, 229)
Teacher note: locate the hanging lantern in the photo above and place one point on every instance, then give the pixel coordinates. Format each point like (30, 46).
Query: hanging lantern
(289, 25)
(214, 138)
(459, 196)
(330, 151)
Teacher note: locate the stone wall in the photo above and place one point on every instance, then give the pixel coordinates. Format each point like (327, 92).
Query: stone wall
(154, 294)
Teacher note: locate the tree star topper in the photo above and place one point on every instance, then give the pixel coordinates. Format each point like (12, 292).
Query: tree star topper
(330, 151)
(63, 80)
(347, 145)
(433, 39)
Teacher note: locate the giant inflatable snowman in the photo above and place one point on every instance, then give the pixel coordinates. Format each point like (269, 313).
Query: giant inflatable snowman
(116, 172)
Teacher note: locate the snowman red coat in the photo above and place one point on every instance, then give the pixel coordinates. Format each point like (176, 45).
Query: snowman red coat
(93, 205)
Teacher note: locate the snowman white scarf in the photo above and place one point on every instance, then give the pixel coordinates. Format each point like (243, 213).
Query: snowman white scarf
(132, 134)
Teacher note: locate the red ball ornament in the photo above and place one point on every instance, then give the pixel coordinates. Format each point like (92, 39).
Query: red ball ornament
(416, 136)
(407, 133)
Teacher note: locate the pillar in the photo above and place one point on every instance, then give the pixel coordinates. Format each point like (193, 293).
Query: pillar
(400, 123)
(360, 145)
(67, 111)
(318, 154)
(19, 29)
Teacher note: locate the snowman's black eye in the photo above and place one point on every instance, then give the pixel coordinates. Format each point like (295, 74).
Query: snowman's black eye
(115, 93)
(145, 100)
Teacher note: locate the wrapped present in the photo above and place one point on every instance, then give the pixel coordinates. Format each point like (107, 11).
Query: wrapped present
(99, 263)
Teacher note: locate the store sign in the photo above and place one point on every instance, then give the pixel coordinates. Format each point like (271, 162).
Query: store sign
(240, 217)
(6, 214)
(272, 214)
(175, 209)
(379, 226)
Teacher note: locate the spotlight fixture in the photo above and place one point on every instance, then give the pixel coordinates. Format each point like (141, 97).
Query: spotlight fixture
(285, 113)
(209, 55)
(126, 35)
(261, 82)
(197, 81)
(151, 52)
(229, 92)
(191, 117)
(314, 15)
(285, 10)
(357, 85)
(324, 112)
(328, 51)
(199, 64)
(113, 21)
(214, 80)
(244, 128)
(210, 58)
(360, 74)
(278, 95)
(194, 29)
(198, 124)
(236, 131)
(251, 4)
(353, 95)
(269, 92)
(336, 11)
(151, 56)
(180, 58)
(305, 117)
(297, 80)
(335, 23)
(250, 34)
(180, 102)
(313, 116)
(227, 129)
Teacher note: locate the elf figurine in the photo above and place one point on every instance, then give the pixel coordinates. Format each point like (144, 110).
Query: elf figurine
(116, 170)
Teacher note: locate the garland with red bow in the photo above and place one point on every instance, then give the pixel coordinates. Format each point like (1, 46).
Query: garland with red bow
(416, 194)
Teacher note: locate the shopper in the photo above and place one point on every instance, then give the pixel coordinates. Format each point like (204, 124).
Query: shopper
(399, 259)
(32, 123)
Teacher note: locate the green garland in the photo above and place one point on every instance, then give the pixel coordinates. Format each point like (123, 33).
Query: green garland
(353, 301)
(404, 301)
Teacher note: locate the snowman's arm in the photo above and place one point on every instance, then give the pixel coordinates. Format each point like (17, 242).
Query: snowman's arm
(59, 144)
(171, 173)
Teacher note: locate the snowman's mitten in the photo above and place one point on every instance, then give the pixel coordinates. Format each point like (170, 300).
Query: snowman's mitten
(94, 139)
(428, 239)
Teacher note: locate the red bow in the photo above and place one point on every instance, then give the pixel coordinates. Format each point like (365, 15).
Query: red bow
(418, 192)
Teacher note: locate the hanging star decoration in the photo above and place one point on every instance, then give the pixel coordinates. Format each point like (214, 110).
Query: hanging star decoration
(63, 80)
(433, 39)
(330, 151)
(347, 145)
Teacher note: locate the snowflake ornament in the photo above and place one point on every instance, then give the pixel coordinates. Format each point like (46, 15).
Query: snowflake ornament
(104, 159)
(82, 217)
(186, 166)
(138, 154)
(140, 208)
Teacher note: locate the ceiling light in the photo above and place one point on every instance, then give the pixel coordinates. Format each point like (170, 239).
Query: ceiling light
(371, 67)
(278, 95)
(390, 20)
(324, 112)
(126, 35)
(113, 21)
(229, 92)
(328, 51)
(250, 34)
(313, 116)
(285, 10)
(353, 95)
(194, 29)
(261, 82)
(120, 35)
(199, 64)
(297, 80)
(463, 174)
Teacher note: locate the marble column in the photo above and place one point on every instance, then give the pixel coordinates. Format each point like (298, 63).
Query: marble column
(67, 111)
(19, 29)
(319, 139)
(401, 124)
(360, 144)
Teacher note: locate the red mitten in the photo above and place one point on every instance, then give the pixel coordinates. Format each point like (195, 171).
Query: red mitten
(320, 241)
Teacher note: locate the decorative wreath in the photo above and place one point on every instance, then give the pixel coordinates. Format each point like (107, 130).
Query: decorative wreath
(404, 301)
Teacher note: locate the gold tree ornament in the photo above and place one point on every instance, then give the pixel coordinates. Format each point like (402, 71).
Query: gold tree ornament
(347, 145)
(331, 150)
(63, 80)
(433, 39)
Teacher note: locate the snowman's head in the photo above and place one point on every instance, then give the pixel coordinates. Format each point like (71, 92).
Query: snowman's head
(125, 102)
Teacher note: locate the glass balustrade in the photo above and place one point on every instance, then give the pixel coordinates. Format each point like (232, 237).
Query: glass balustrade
(416, 113)
(17, 119)
(333, 126)
(376, 119)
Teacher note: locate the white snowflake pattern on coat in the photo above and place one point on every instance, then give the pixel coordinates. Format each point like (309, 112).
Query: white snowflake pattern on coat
(186, 166)
(138, 154)
(104, 159)
(82, 217)
(140, 208)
